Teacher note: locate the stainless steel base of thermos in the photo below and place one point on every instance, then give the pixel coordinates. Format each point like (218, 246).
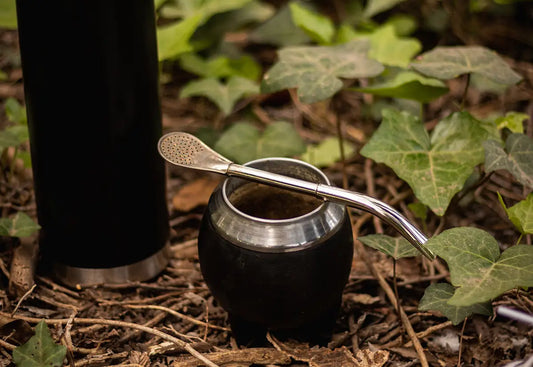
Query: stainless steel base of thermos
(143, 270)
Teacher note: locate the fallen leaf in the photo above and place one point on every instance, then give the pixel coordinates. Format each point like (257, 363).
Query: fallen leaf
(194, 194)
(325, 357)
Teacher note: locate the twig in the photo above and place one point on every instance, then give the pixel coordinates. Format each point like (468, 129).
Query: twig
(57, 287)
(263, 356)
(7, 345)
(26, 295)
(180, 315)
(370, 188)
(461, 342)
(430, 330)
(390, 294)
(123, 324)
(4, 269)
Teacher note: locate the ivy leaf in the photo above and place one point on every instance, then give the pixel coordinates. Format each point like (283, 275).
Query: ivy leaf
(316, 70)
(450, 62)
(389, 49)
(223, 95)
(374, 7)
(8, 14)
(513, 121)
(15, 112)
(326, 152)
(173, 39)
(40, 350)
(221, 66)
(242, 142)
(476, 266)
(408, 85)
(279, 30)
(318, 27)
(436, 166)
(8, 139)
(419, 210)
(21, 225)
(386, 46)
(251, 13)
(516, 157)
(521, 214)
(436, 298)
(396, 247)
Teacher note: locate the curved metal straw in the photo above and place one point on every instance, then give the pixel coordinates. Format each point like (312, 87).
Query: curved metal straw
(186, 150)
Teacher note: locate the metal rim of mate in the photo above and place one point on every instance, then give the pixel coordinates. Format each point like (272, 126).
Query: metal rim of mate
(139, 271)
(276, 235)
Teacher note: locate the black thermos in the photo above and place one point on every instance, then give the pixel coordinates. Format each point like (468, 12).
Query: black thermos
(90, 74)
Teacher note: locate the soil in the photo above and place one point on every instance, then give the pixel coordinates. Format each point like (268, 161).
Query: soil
(137, 324)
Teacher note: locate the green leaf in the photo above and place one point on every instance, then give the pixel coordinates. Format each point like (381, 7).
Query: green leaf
(476, 266)
(450, 62)
(516, 157)
(206, 8)
(242, 142)
(173, 39)
(25, 157)
(436, 298)
(318, 27)
(158, 3)
(279, 30)
(316, 70)
(521, 214)
(15, 112)
(485, 85)
(513, 121)
(8, 139)
(21, 225)
(8, 14)
(221, 66)
(3, 74)
(408, 85)
(374, 7)
(396, 247)
(386, 46)
(326, 152)
(214, 30)
(436, 166)
(389, 49)
(419, 210)
(40, 350)
(223, 95)
(403, 24)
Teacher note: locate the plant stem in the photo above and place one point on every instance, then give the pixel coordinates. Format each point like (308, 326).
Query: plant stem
(395, 287)
(463, 99)
(338, 123)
